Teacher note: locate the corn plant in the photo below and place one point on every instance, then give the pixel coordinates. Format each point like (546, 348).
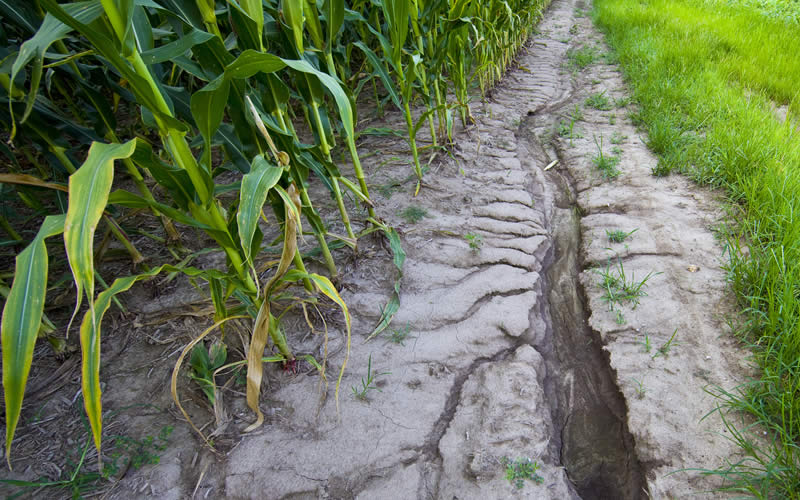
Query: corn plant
(278, 171)
(264, 89)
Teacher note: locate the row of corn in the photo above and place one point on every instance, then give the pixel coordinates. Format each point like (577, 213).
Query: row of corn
(173, 95)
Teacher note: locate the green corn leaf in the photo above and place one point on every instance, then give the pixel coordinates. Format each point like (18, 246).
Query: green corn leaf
(410, 76)
(88, 195)
(186, 10)
(397, 16)
(377, 66)
(99, 39)
(218, 299)
(334, 16)
(142, 30)
(255, 11)
(208, 108)
(251, 62)
(34, 49)
(252, 196)
(90, 350)
(21, 14)
(247, 29)
(399, 255)
(120, 13)
(128, 199)
(174, 179)
(293, 14)
(177, 48)
(313, 24)
(22, 316)
(335, 89)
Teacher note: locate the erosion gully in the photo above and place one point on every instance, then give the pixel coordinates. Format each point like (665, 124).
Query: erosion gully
(596, 447)
(587, 408)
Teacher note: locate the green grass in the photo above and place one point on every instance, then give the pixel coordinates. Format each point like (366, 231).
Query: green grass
(579, 59)
(707, 77)
(599, 101)
(618, 235)
(521, 469)
(619, 287)
(413, 214)
(605, 163)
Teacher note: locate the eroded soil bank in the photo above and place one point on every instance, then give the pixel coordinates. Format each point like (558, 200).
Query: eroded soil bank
(508, 347)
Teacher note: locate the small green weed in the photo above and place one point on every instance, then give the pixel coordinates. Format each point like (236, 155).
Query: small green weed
(126, 452)
(599, 101)
(619, 288)
(605, 163)
(400, 335)
(611, 57)
(577, 114)
(616, 150)
(475, 241)
(667, 346)
(618, 235)
(517, 471)
(662, 169)
(640, 390)
(568, 130)
(368, 384)
(618, 138)
(203, 362)
(646, 344)
(579, 59)
(413, 214)
(621, 102)
(573, 30)
(612, 119)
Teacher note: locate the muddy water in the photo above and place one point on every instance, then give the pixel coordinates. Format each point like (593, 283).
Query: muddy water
(597, 449)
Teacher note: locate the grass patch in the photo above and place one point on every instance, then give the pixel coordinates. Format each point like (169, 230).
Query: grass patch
(413, 214)
(599, 101)
(707, 76)
(582, 57)
(605, 163)
(618, 235)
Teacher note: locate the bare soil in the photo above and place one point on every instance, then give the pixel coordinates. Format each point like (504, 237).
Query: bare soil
(508, 349)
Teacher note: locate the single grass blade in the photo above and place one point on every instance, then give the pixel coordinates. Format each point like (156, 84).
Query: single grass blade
(22, 317)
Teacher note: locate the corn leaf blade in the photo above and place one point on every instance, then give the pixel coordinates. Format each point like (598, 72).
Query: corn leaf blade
(22, 316)
(89, 188)
(252, 196)
(293, 14)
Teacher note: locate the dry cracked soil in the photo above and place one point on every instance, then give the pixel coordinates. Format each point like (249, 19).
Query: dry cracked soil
(506, 346)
